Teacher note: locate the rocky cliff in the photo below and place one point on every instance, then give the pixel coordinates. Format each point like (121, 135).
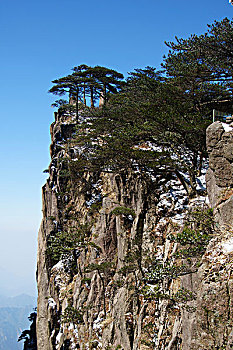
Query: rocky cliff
(128, 261)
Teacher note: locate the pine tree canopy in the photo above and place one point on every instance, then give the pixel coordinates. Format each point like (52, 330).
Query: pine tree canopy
(205, 64)
(94, 82)
(155, 121)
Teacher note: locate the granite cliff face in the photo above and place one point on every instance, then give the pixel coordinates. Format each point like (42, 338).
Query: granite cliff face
(115, 267)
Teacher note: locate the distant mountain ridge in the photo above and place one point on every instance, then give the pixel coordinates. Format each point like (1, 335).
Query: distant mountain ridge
(14, 312)
(13, 320)
(17, 301)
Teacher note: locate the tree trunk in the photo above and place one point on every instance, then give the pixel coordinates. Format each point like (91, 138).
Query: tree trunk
(190, 190)
(84, 95)
(92, 96)
(77, 97)
(105, 94)
(193, 174)
(200, 163)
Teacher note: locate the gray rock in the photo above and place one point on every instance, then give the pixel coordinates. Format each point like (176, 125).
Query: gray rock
(213, 135)
(214, 191)
(114, 310)
(220, 147)
(224, 212)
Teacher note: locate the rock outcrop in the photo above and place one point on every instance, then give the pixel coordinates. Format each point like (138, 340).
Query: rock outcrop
(213, 327)
(220, 173)
(112, 273)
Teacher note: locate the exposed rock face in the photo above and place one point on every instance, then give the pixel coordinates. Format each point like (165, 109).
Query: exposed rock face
(220, 173)
(213, 327)
(119, 287)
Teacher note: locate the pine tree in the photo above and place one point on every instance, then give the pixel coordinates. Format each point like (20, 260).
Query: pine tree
(203, 66)
(96, 82)
(105, 81)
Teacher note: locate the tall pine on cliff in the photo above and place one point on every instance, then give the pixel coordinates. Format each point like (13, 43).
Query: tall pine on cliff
(156, 121)
(95, 82)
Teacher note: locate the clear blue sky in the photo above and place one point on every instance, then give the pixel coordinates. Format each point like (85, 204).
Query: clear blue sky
(40, 41)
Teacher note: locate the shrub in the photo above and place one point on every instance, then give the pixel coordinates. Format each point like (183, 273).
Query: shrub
(64, 243)
(123, 211)
(72, 315)
(196, 234)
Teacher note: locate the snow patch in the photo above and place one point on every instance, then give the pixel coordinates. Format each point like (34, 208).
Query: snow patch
(59, 266)
(97, 322)
(228, 246)
(227, 127)
(52, 303)
(95, 198)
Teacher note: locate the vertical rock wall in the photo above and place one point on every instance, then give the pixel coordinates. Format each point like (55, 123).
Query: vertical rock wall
(115, 290)
(212, 327)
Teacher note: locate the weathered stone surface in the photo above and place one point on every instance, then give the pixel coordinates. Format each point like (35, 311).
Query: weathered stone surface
(214, 191)
(212, 323)
(213, 135)
(228, 151)
(112, 311)
(224, 211)
(222, 170)
(220, 147)
(213, 316)
(220, 174)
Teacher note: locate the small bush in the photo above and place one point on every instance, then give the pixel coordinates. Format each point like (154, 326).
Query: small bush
(123, 211)
(184, 295)
(63, 244)
(72, 315)
(197, 232)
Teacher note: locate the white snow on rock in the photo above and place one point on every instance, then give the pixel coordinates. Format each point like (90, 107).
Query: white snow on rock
(227, 127)
(59, 265)
(228, 245)
(97, 322)
(59, 338)
(52, 303)
(95, 198)
(173, 201)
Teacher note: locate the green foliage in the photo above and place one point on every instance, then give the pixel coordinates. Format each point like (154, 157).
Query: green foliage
(119, 347)
(64, 173)
(123, 211)
(184, 295)
(139, 131)
(51, 218)
(94, 82)
(60, 245)
(104, 267)
(203, 59)
(158, 272)
(153, 292)
(95, 207)
(196, 234)
(156, 120)
(117, 284)
(29, 335)
(63, 243)
(195, 240)
(202, 219)
(72, 315)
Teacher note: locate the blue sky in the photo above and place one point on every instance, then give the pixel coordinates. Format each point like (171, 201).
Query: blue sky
(41, 41)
